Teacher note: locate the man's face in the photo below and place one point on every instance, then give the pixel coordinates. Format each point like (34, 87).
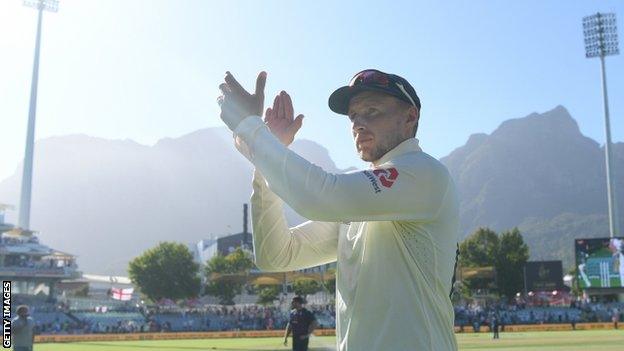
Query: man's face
(296, 305)
(23, 312)
(379, 123)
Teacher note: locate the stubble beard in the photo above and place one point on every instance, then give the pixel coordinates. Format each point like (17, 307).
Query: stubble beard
(381, 148)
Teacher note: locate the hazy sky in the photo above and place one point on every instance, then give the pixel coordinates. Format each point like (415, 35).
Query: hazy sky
(146, 70)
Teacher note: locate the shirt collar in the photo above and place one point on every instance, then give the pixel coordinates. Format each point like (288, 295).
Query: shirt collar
(408, 145)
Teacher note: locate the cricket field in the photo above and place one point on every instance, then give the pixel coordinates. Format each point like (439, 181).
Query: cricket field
(580, 340)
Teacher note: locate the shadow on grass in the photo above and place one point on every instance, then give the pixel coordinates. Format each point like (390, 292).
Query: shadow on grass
(126, 346)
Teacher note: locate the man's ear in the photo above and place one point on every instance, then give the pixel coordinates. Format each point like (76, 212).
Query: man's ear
(413, 117)
(414, 111)
(414, 114)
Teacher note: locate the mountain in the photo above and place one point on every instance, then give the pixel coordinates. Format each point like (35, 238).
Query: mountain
(108, 200)
(538, 173)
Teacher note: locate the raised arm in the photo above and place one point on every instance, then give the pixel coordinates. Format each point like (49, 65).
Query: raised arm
(279, 248)
(394, 192)
(397, 191)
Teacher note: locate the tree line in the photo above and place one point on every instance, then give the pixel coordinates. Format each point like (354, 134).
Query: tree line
(169, 271)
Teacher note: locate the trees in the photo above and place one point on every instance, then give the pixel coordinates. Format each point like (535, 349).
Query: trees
(305, 286)
(166, 271)
(512, 256)
(239, 261)
(507, 253)
(229, 269)
(267, 293)
(479, 249)
(224, 290)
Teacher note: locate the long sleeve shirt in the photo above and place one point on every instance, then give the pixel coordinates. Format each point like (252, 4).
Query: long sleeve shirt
(393, 230)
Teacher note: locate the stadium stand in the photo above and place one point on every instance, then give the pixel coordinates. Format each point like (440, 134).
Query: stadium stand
(83, 316)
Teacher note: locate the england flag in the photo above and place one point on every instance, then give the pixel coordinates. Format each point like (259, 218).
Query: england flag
(122, 294)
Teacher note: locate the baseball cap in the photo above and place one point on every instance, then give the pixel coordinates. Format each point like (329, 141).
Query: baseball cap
(373, 80)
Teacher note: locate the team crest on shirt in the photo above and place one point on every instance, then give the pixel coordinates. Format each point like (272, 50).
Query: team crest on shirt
(386, 177)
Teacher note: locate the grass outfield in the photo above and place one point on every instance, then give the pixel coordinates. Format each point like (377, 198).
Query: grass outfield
(594, 340)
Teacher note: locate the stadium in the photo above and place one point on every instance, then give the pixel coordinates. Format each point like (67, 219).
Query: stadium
(135, 246)
(87, 312)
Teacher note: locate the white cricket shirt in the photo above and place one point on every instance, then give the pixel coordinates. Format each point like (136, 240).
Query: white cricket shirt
(396, 256)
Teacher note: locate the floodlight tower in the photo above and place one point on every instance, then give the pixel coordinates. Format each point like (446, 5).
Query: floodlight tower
(24, 213)
(600, 31)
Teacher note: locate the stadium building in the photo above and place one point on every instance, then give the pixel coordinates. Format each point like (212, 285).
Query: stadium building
(34, 268)
(206, 249)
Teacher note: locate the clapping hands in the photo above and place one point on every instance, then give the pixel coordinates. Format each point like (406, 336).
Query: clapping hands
(237, 104)
(280, 119)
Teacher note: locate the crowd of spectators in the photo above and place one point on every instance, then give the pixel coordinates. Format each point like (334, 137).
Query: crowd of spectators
(60, 319)
(227, 318)
(477, 315)
(62, 325)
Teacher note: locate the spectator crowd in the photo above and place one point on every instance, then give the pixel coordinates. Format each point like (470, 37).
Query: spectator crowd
(59, 318)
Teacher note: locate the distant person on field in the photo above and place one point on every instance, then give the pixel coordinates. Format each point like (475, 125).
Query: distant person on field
(22, 330)
(494, 326)
(302, 323)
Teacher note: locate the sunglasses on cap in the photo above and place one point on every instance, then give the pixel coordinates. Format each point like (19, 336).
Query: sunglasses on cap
(372, 80)
(381, 79)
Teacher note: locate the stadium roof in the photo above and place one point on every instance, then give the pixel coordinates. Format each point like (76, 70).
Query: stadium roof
(264, 278)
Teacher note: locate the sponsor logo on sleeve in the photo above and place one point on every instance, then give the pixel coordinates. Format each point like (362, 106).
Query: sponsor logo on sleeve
(373, 181)
(386, 177)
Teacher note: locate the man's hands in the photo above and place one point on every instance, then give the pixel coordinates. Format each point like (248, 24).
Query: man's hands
(237, 104)
(280, 119)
